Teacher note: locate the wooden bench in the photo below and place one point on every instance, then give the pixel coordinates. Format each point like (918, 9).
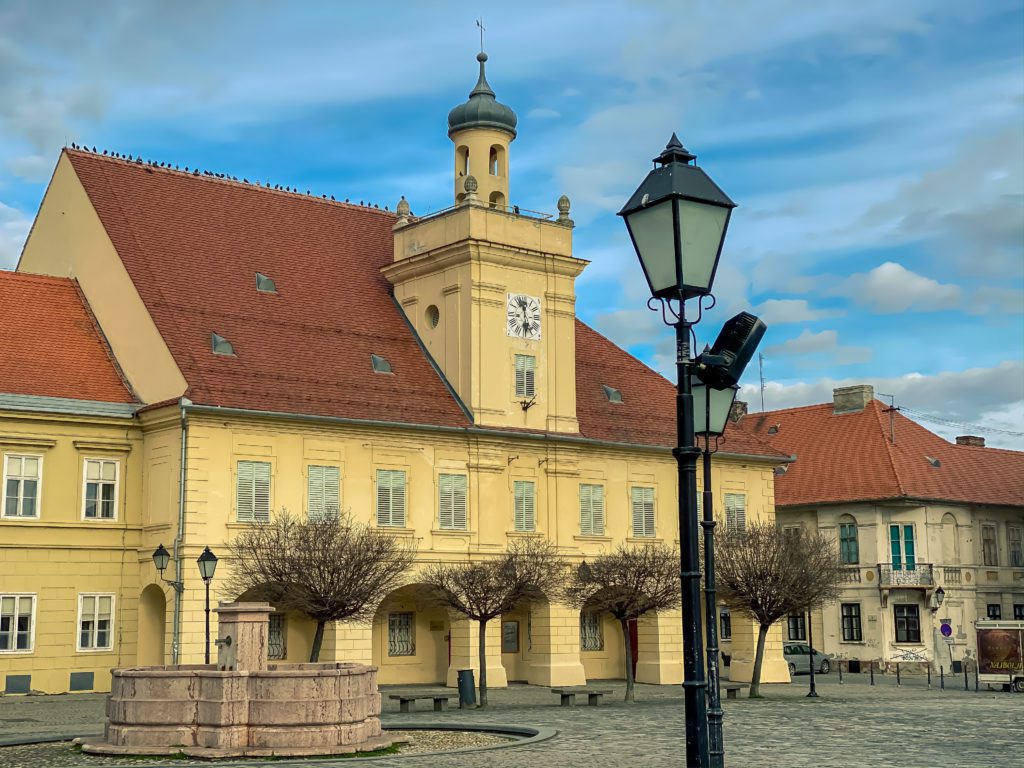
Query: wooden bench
(732, 689)
(569, 695)
(405, 699)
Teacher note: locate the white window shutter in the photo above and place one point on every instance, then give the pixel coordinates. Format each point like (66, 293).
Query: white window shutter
(460, 517)
(643, 511)
(736, 511)
(244, 495)
(261, 492)
(398, 499)
(315, 491)
(383, 498)
(525, 517)
(586, 510)
(597, 507)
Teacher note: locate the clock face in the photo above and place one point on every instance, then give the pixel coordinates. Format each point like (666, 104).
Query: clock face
(522, 316)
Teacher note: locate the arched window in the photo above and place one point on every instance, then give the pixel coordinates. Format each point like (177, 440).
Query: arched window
(462, 160)
(496, 161)
(497, 200)
(849, 545)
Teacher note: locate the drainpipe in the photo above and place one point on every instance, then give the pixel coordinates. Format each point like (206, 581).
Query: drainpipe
(178, 565)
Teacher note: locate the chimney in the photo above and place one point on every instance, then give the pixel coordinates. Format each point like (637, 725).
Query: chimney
(972, 440)
(852, 399)
(738, 411)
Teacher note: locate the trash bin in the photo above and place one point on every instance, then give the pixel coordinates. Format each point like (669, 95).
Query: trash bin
(467, 689)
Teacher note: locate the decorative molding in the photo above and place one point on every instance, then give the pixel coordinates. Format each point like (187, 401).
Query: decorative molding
(410, 301)
(27, 442)
(120, 446)
(450, 289)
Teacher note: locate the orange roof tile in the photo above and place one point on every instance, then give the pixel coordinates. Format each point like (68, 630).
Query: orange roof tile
(51, 345)
(849, 457)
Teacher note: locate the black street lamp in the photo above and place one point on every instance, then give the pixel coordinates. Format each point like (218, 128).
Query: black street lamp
(813, 692)
(677, 221)
(161, 558)
(207, 566)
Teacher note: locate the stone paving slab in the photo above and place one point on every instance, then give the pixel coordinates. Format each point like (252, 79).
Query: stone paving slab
(850, 725)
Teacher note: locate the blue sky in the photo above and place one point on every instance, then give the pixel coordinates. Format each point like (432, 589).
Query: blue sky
(876, 150)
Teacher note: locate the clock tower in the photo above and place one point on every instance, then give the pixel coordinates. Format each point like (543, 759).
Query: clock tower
(489, 288)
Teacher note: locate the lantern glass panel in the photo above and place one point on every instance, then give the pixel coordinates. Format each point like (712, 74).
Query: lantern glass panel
(652, 232)
(702, 228)
(721, 405)
(161, 557)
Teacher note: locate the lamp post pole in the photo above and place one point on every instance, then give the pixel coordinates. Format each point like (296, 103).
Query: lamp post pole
(716, 745)
(694, 683)
(813, 692)
(207, 582)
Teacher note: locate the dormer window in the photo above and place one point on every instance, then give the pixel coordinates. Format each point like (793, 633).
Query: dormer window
(265, 284)
(380, 364)
(613, 395)
(221, 346)
(933, 462)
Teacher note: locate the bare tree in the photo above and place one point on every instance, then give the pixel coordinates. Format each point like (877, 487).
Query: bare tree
(627, 583)
(767, 572)
(531, 569)
(330, 568)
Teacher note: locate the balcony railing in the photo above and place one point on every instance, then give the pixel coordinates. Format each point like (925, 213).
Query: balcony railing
(850, 575)
(952, 575)
(920, 575)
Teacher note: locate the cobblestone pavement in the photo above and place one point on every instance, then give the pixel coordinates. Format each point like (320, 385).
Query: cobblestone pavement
(850, 725)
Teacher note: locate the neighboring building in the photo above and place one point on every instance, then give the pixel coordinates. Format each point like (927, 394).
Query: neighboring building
(427, 374)
(910, 512)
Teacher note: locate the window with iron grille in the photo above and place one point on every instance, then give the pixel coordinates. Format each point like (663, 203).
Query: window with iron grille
(22, 476)
(797, 626)
(276, 648)
(850, 614)
(849, 546)
(725, 624)
(401, 638)
(642, 502)
(908, 623)
(591, 637)
(17, 614)
(323, 491)
(253, 492)
(994, 611)
(1015, 535)
(100, 498)
(451, 502)
(524, 502)
(391, 498)
(989, 547)
(525, 370)
(591, 510)
(95, 613)
(735, 511)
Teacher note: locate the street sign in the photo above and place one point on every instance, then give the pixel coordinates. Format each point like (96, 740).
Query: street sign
(946, 630)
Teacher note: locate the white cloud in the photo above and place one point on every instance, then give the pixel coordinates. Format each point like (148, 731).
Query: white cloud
(35, 168)
(819, 349)
(977, 398)
(995, 300)
(14, 226)
(891, 287)
(543, 113)
(782, 311)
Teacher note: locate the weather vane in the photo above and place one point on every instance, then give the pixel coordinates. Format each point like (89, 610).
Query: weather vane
(480, 23)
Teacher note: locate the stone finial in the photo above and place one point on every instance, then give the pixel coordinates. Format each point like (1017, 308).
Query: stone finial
(471, 185)
(403, 211)
(563, 212)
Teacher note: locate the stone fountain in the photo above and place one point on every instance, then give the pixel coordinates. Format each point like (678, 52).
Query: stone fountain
(243, 706)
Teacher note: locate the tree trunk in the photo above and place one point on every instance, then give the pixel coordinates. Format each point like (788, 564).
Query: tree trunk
(483, 662)
(629, 659)
(318, 640)
(755, 678)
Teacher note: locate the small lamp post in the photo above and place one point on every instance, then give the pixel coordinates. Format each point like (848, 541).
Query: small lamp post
(940, 595)
(207, 566)
(161, 558)
(677, 219)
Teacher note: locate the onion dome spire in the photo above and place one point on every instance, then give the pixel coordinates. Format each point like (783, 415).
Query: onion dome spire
(482, 110)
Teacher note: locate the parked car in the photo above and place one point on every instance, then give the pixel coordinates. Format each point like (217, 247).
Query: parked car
(798, 656)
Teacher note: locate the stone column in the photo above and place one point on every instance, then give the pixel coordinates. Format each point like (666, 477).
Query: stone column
(554, 651)
(248, 625)
(744, 645)
(465, 652)
(660, 658)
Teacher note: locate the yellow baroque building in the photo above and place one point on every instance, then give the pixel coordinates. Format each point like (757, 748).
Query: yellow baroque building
(262, 349)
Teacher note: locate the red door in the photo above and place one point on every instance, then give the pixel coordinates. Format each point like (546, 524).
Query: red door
(634, 642)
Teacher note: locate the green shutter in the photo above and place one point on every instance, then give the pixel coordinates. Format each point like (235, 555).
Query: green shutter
(908, 547)
(524, 514)
(894, 543)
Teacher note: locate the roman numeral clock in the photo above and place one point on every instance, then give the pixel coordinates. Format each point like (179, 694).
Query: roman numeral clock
(522, 316)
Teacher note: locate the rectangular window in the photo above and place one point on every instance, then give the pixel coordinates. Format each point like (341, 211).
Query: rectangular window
(253, 492)
(797, 626)
(391, 499)
(95, 614)
(642, 502)
(591, 637)
(1015, 534)
(792, 530)
(735, 512)
(994, 611)
(1018, 611)
(526, 366)
(850, 613)
(908, 623)
(510, 637)
(16, 622)
(323, 491)
(725, 624)
(849, 547)
(276, 648)
(524, 513)
(902, 548)
(401, 640)
(21, 485)
(989, 548)
(451, 502)
(591, 510)
(101, 488)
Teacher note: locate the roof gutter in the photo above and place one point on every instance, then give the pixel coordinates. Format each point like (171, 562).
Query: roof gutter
(467, 431)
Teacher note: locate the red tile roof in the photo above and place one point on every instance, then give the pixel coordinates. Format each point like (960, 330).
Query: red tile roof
(849, 457)
(192, 245)
(50, 344)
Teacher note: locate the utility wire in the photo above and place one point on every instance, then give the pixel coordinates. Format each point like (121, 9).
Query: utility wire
(960, 424)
